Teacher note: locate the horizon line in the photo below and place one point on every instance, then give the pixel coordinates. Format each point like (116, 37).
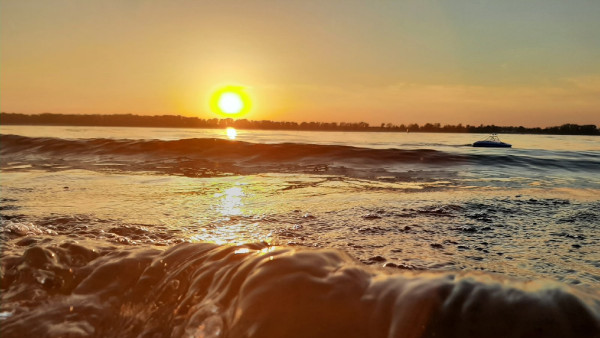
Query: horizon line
(338, 123)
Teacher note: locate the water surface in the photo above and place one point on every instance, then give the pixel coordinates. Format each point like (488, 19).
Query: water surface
(184, 232)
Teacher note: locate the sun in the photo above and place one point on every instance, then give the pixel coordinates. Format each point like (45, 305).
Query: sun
(230, 101)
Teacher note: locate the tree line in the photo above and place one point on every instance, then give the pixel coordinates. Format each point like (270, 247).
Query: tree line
(176, 121)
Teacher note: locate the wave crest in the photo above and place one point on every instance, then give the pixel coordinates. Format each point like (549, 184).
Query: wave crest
(255, 290)
(212, 157)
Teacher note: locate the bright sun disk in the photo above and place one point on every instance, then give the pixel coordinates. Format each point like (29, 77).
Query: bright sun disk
(230, 101)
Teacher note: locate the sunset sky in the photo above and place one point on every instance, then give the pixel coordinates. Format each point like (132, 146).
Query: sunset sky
(530, 63)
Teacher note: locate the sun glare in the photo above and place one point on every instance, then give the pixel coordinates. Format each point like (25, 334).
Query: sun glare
(230, 101)
(231, 133)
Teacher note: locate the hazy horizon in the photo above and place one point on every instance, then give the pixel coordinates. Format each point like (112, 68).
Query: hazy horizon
(325, 124)
(533, 64)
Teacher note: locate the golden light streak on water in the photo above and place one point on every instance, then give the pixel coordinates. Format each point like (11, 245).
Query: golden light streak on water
(231, 133)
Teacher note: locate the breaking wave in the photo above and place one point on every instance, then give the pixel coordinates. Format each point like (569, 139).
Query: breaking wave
(256, 290)
(244, 157)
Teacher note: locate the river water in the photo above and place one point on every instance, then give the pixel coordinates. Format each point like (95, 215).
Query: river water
(187, 232)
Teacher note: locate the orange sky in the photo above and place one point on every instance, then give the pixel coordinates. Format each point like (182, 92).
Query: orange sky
(531, 63)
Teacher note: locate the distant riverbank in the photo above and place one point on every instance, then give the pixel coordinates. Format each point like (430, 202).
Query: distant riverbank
(176, 121)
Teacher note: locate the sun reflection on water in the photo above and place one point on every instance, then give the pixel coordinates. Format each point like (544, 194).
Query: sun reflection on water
(261, 252)
(241, 251)
(231, 133)
(230, 203)
(237, 234)
(234, 223)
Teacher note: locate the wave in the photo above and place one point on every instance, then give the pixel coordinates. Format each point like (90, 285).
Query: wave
(256, 290)
(217, 148)
(246, 157)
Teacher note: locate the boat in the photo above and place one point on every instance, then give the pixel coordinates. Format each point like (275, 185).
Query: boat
(492, 142)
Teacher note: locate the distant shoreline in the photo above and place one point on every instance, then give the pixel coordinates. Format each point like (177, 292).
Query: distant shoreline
(176, 121)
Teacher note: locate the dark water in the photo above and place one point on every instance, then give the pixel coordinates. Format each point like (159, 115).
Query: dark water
(212, 156)
(301, 235)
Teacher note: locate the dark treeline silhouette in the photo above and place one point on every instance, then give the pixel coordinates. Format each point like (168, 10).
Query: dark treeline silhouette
(176, 121)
